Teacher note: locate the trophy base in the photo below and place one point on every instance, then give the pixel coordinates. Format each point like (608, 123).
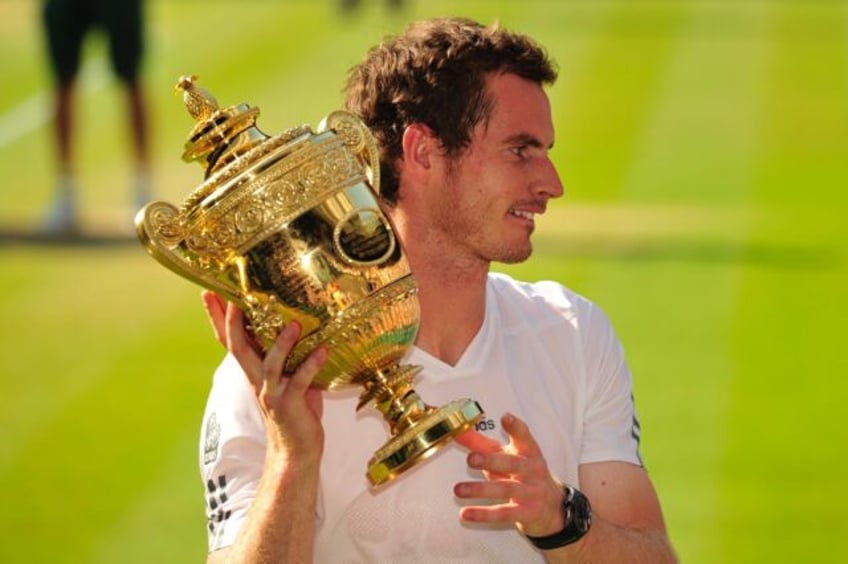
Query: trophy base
(424, 438)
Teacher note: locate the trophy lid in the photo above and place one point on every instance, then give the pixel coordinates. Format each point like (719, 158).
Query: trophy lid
(220, 135)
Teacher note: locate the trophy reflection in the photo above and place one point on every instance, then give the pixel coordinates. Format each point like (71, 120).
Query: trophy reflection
(289, 227)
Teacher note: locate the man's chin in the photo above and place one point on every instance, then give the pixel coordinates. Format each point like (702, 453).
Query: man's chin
(514, 256)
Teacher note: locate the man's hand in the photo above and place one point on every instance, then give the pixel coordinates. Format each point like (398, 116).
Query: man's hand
(627, 524)
(291, 409)
(517, 475)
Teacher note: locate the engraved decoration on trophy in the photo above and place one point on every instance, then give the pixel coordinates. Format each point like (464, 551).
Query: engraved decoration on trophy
(289, 227)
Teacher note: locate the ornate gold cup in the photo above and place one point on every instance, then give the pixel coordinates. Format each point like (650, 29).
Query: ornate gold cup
(289, 228)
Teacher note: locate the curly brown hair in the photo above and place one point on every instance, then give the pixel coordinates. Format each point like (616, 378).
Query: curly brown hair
(434, 73)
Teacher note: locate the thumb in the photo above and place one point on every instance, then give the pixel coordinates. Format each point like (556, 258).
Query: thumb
(216, 310)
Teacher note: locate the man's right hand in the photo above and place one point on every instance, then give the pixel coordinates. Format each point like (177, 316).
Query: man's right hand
(291, 409)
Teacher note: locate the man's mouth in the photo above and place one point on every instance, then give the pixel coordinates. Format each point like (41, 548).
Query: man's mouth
(528, 215)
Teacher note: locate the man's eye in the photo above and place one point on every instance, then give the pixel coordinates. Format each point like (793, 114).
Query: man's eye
(520, 151)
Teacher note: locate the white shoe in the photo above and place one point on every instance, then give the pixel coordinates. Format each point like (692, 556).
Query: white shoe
(142, 194)
(61, 218)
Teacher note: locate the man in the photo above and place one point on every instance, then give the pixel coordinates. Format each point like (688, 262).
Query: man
(464, 128)
(66, 25)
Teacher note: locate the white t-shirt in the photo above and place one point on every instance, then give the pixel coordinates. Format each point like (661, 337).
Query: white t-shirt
(543, 353)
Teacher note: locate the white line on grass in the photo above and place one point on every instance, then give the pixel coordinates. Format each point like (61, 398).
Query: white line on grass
(35, 111)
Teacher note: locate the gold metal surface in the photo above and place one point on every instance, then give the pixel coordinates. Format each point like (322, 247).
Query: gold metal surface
(289, 228)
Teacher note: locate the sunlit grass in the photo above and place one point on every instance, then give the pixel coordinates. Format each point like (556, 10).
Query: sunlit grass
(704, 148)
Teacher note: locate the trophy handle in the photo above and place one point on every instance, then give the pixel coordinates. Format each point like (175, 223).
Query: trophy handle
(160, 230)
(359, 138)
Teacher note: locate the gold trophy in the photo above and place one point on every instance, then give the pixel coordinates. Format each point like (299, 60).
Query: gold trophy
(289, 228)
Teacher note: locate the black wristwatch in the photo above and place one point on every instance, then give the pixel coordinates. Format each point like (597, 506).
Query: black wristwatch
(577, 518)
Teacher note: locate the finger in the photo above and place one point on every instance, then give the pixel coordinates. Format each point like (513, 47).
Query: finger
(477, 442)
(493, 490)
(216, 312)
(502, 513)
(498, 464)
(305, 374)
(239, 344)
(236, 332)
(509, 512)
(520, 437)
(275, 359)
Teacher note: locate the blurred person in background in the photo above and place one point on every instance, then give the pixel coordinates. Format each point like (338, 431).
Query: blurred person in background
(67, 23)
(553, 471)
(349, 6)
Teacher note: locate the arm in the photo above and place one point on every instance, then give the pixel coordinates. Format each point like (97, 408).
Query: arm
(627, 523)
(280, 524)
(281, 520)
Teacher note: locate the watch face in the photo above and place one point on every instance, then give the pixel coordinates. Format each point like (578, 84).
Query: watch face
(581, 512)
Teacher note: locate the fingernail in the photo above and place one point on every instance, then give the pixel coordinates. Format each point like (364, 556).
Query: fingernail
(475, 460)
(291, 329)
(322, 354)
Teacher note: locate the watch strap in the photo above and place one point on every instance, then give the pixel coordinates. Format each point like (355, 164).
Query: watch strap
(577, 518)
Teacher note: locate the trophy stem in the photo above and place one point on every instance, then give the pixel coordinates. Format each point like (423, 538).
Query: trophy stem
(395, 398)
(418, 430)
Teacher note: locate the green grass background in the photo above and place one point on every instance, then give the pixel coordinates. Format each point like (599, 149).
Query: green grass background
(704, 145)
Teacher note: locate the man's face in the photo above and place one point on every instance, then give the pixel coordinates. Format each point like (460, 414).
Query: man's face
(494, 190)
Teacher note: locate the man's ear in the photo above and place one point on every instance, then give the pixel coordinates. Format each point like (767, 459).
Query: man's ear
(419, 142)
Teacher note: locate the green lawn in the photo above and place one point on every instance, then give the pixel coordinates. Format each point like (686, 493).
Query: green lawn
(704, 146)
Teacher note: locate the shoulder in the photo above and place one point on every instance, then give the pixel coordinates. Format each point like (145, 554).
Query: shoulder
(232, 420)
(231, 398)
(537, 307)
(543, 301)
(230, 380)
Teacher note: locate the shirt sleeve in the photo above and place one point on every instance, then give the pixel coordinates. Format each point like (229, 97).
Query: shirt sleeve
(232, 453)
(611, 426)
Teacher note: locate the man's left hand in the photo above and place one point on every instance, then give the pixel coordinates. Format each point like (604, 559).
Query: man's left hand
(517, 479)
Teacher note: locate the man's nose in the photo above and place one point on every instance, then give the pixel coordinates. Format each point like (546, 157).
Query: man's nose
(549, 183)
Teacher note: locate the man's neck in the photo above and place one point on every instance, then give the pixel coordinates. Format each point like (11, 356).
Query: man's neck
(453, 305)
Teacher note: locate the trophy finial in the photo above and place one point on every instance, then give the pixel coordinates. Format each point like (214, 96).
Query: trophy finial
(198, 101)
(220, 135)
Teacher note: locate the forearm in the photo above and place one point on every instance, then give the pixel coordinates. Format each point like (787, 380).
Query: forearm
(280, 526)
(607, 542)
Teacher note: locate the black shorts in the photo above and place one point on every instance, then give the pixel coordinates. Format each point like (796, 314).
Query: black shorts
(67, 22)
